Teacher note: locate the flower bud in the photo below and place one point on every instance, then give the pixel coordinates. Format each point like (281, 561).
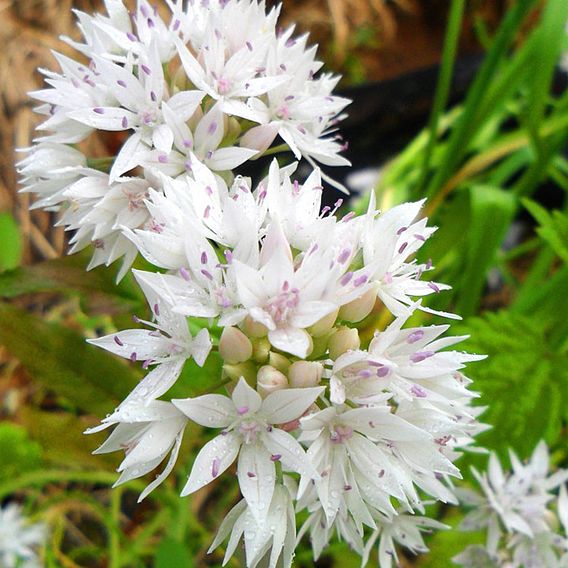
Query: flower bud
(261, 350)
(343, 340)
(324, 325)
(234, 346)
(304, 374)
(259, 138)
(279, 362)
(360, 308)
(269, 380)
(254, 328)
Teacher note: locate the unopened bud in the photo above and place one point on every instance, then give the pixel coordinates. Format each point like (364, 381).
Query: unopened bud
(254, 328)
(343, 340)
(304, 374)
(269, 380)
(279, 362)
(234, 346)
(259, 138)
(324, 325)
(359, 309)
(260, 350)
(233, 130)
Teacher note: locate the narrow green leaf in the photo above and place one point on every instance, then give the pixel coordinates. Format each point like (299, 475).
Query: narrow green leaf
(173, 554)
(62, 361)
(491, 213)
(10, 242)
(19, 453)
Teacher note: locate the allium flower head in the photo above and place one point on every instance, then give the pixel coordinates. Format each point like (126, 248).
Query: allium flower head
(517, 509)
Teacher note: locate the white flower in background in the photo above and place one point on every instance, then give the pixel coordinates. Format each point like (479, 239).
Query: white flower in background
(147, 433)
(250, 433)
(515, 508)
(405, 530)
(19, 539)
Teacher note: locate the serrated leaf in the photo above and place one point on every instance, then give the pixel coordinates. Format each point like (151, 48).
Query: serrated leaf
(553, 227)
(173, 554)
(11, 245)
(62, 361)
(524, 381)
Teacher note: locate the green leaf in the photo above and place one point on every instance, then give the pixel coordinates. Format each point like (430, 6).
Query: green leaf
(68, 274)
(10, 242)
(491, 213)
(173, 554)
(62, 361)
(524, 381)
(553, 227)
(19, 453)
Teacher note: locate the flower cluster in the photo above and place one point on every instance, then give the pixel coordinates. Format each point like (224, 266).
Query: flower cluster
(218, 84)
(19, 540)
(325, 412)
(526, 522)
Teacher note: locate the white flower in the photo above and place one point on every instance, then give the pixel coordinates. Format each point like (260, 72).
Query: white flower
(147, 433)
(19, 539)
(357, 452)
(249, 433)
(516, 507)
(274, 538)
(288, 295)
(408, 362)
(403, 529)
(168, 344)
(388, 241)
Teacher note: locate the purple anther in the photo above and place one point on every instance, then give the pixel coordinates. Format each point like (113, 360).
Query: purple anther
(360, 280)
(434, 287)
(420, 356)
(346, 278)
(418, 392)
(215, 467)
(344, 256)
(415, 336)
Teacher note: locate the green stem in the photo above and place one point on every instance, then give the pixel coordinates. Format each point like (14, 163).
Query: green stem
(276, 150)
(114, 538)
(101, 164)
(444, 83)
(214, 387)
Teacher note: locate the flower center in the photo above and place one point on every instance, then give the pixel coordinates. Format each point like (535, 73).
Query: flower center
(341, 434)
(249, 429)
(281, 305)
